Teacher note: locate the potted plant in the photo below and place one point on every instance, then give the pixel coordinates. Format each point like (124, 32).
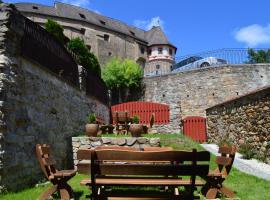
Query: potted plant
(91, 128)
(135, 128)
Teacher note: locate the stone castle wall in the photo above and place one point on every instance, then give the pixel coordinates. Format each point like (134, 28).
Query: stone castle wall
(245, 120)
(190, 93)
(35, 107)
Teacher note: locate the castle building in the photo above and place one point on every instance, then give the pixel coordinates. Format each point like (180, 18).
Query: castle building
(107, 37)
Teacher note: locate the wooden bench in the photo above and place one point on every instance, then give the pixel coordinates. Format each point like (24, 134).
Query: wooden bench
(57, 178)
(143, 168)
(214, 180)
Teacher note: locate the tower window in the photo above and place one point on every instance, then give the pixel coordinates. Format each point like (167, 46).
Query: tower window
(142, 50)
(170, 52)
(149, 52)
(82, 15)
(110, 53)
(83, 31)
(102, 22)
(106, 37)
(160, 50)
(157, 66)
(35, 7)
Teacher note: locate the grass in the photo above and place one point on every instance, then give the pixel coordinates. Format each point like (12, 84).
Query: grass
(245, 186)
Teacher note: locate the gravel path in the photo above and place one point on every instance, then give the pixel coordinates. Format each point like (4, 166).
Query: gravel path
(252, 166)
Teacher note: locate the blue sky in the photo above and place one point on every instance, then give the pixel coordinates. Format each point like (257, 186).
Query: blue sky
(191, 25)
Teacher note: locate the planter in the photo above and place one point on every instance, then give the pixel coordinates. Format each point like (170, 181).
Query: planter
(136, 130)
(91, 130)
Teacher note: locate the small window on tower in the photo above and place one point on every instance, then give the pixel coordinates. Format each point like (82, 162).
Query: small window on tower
(35, 7)
(142, 50)
(170, 52)
(160, 50)
(106, 37)
(102, 22)
(83, 31)
(149, 52)
(157, 66)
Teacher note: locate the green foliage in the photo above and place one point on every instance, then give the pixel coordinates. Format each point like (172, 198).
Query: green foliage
(122, 75)
(92, 118)
(225, 141)
(84, 56)
(261, 56)
(246, 150)
(56, 30)
(136, 119)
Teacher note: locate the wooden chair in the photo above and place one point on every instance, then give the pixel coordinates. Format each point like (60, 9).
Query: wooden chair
(122, 120)
(57, 178)
(215, 179)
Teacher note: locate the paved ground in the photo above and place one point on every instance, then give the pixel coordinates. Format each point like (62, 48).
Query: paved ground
(252, 166)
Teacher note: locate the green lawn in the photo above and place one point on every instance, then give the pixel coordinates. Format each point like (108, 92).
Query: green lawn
(245, 186)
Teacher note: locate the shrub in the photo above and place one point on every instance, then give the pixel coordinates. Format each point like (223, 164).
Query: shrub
(246, 150)
(92, 118)
(136, 119)
(56, 30)
(83, 56)
(225, 141)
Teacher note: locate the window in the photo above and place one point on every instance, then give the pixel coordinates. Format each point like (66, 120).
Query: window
(106, 37)
(170, 52)
(82, 15)
(35, 7)
(132, 33)
(110, 53)
(157, 66)
(149, 52)
(102, 22)
(82, 31)
(142, 50)
(88, 47)
(160, 50)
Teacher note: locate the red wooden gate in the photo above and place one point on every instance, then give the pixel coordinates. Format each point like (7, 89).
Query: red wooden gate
(195, 128)
(144, 110)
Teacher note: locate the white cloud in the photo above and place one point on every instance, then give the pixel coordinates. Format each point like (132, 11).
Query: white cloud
(253, 35)
(77, 2)
(148, 24)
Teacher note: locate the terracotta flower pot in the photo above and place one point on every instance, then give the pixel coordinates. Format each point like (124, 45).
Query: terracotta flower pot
(136, 130)
(91, 130)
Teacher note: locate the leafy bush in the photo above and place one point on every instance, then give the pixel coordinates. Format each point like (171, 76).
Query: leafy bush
(84, 56)
(92, 118)
(225, 141)
(260, 56)
(246, 150)
(136, 119)
(56, 30)
(122, 76)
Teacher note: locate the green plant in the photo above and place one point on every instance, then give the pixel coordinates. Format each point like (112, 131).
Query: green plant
(92, 118)
(56, 30)
(260, 56)
(246, 150)
(83, 56)
(225, 141)
(122, 76)
(136, 119)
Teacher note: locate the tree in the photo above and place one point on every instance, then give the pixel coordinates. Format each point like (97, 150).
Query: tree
(122, 76)
(56, 30)
(83, 56)
(260, 56)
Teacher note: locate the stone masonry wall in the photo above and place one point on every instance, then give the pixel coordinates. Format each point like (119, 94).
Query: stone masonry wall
(243, 120)
(35, 107)
(190, 93)
(92, 142)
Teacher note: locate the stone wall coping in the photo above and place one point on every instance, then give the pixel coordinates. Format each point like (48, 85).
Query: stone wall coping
(253, 94)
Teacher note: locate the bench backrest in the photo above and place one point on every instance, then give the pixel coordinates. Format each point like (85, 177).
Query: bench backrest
(225, 160)
(121, 117)
(47, 163)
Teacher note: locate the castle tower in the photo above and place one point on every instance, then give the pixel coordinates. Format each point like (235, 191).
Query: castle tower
(161, 53)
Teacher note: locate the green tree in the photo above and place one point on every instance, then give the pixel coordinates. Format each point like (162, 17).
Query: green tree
(260, 56)
(83, 56)
(122, 76)
(56, 30)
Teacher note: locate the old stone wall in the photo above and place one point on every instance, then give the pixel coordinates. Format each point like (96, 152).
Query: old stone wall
(92, 142)
(190, 93)
(36, 106)
(244, 120)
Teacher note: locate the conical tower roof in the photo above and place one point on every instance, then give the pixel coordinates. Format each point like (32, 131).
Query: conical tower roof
(156, 36)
